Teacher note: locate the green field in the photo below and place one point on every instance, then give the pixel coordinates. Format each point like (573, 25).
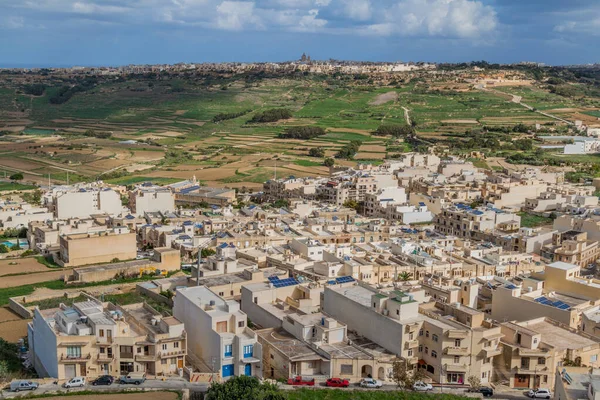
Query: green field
(10, 186)
(533, 221)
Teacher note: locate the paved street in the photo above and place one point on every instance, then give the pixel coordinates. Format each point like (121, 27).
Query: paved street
(178, 384)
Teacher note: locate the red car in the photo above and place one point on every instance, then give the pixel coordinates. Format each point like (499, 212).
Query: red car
(337, 382)
(298, 381)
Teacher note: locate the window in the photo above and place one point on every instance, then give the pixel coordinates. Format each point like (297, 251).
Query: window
(484, 375)
(421, 332)
(102, 349)
(410, 336)
(457, 342)
(397, 312)
(164, 346)
(541, 360)
(272, 358)
(248, 350)
(456, 359)
(346, 369)
(139, 350)
(74, 351)
(221, 294)
(228, 350)
(593, 358)
(176, 345)
(420, 348)
(163, 361)
(426, 350)
(409, 353)
(241, 324)
(434, 337)
(433, 353)
(426, 333)
(256, 300)
(173, 361)
(101, 333)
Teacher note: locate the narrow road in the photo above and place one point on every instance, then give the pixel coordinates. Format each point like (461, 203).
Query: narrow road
(406, 115)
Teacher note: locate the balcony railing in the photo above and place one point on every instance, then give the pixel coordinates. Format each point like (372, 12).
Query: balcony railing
(534, 371)
(411, 344)
(105, 357)
(167, 354)
(492, 352)
(125, 355)
(457, 334)
(457, 351)
(456, 368)
(75, 358)
(533, 352)
(145, 357)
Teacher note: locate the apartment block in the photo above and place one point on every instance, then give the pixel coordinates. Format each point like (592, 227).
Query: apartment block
(572, 247)
(91, 339)
(532, 351)
(218, 334)
(96, 247)
(148, 198)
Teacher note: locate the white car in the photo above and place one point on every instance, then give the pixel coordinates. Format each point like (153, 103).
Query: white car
(421, 386)
(540, 394)
(78, 381)
(370, 383)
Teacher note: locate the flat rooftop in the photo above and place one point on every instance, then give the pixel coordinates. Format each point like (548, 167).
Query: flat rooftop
(558, 337)
(290, 346)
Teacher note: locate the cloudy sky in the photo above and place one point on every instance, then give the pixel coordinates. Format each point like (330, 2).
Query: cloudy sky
(116, 32)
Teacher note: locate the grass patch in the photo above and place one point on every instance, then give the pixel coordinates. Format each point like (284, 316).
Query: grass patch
(25, 290)
(338, 394)
(55, 302)
(48, 263)
(10, 186)
(479, 163)
(308, 163)
(533, 221)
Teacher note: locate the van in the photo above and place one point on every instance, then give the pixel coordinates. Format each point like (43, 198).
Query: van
(17, 386)
(136, 378)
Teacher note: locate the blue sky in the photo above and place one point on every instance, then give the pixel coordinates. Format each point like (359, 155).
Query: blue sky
(117, 32)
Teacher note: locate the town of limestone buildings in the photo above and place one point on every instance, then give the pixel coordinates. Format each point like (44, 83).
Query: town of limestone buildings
(431, 262)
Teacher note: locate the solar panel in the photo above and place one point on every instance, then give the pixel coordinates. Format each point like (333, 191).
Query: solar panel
(564, 307)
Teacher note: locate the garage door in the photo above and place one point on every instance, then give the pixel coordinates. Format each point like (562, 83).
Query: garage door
(70, 371)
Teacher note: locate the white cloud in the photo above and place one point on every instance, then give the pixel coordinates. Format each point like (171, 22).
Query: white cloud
(358, 10)
(586, 21)
(448, 18)
(12, 22)
(310, 22)
(236, 15)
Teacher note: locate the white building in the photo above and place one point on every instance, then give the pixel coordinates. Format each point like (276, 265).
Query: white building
(218, 333)
(151, 199)
(81, 203)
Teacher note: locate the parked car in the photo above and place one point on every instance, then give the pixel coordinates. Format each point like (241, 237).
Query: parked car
(540, 394)
(370, 383)
(17, 386)
(421, 386)
(103, 380)
(337, 382)
(78, 381)
(134, 378)
(298, 381)
(486, 391)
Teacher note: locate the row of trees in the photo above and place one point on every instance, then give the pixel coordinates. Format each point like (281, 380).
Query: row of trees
(96, 134)
(36, 89)
(302, 132)
(395, 130)
(273, 115)
(225, 116)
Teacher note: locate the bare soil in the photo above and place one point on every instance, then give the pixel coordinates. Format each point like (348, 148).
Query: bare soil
(21, 265)
(384, 98)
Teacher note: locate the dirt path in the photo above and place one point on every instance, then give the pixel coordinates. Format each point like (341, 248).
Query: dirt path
(29, 279)
(406, 115)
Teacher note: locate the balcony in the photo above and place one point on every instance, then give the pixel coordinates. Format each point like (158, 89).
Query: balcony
(523, 352)
(145, 357)
(411, 344)
(169, 354)
(105, 357)
(529, 371)
(126, 355)
(492, 352)
(454, 334)
(75, 358)
(456, 368)
(412, 327)
(457, 351)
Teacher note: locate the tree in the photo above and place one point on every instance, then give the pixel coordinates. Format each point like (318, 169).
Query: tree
(3, 249)
(16, 177)
(207, 252)
(281, 203)
(316, 152)
(400, 374)
(243, 388)
(404, 276)
(329, 162)
(34, 197)
(474, 381)
(302, 132)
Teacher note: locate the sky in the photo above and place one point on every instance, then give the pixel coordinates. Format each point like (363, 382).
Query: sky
(121, 32)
